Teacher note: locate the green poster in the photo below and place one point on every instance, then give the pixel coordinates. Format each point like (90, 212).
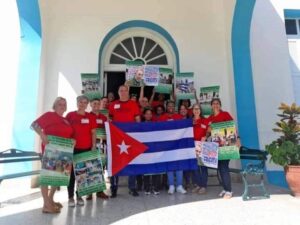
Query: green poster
(165, 83)
(225, 135)
(57, 161)
(184, 86)
(104, 112)
(88, 171)
(90, 85)
(206, 95)
(134, 74)
(100, 133)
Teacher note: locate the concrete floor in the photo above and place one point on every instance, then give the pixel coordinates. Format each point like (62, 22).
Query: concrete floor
(21, 205)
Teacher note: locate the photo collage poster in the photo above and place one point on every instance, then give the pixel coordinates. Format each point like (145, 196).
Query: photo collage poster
(206, 95)
(57, 161)
(90, 85)
(165, 82)
(184, 86)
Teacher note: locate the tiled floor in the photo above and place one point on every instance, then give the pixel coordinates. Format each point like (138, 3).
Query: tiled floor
(21, 205)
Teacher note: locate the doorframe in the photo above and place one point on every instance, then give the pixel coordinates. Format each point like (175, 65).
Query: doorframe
(132, 26)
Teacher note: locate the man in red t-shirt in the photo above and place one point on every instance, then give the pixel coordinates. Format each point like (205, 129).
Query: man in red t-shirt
(84, 126)
(124, 110)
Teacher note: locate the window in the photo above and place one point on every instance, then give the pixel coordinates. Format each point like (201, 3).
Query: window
(291, 26)
(138, 48)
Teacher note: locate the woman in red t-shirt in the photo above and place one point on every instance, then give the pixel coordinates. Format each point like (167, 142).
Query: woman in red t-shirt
(84, 125)
(52, 123)
(223, 165)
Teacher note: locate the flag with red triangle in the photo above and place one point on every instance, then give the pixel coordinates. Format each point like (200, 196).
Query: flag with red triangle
(122, 149)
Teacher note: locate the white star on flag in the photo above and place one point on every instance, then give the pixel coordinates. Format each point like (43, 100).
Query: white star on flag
(123, 147)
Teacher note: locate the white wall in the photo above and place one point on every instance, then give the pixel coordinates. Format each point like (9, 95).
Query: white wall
(270, 64)
(73, 31)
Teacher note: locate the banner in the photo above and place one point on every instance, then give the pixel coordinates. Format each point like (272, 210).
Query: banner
(206, 95)
(185, 86)
(151, 75)
(224, 134)
(57, 161)
(134, 74)
(209, 154)
(165, 83)
(90, 85)
(88, 171)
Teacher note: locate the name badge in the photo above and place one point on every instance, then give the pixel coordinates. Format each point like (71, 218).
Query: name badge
(203, 126)
(85, 121)
(117, 106)
(99, 121)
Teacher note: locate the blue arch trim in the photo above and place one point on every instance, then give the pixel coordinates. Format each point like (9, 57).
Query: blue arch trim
(143, 24)
(244, 91)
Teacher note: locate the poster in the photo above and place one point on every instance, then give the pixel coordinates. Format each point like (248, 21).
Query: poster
(225, 135)
(209, 154)
(165, 83)
(185, 86)
(88, 171)
(206, 95)
(57, 161)
(90, 85)
(104, 112)
(100, 133)
(134, 74)
(151, 75)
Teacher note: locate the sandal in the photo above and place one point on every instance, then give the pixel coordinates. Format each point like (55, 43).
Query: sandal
(58, 205)
(51, 211)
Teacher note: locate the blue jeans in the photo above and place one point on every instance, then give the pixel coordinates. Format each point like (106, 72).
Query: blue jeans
(223, 167)
(200, 176)
(179, 175)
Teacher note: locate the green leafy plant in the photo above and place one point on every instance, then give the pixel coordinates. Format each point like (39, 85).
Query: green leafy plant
(286, 149)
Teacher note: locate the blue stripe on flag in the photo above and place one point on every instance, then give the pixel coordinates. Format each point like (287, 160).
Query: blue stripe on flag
(170, 145)
(154, 126)
(138, 169)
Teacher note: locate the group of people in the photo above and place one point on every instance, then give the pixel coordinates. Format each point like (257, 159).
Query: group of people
(81, 126)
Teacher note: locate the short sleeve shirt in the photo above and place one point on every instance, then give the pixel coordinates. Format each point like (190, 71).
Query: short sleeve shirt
(83, 126)
(200, 127)
(124, 111)
(170, 117)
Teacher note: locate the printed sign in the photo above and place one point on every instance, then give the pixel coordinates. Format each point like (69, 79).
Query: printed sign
(206, 95)
(185, 86)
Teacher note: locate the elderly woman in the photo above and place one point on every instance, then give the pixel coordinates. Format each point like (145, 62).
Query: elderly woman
(218, 116)
(52, 123)
(84, 125)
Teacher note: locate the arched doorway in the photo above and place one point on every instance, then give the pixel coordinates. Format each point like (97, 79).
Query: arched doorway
(134, 40)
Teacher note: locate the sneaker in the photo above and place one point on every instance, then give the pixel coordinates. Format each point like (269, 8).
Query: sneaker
(71, 202)
(80, 201)
(171, 189)
(180, 189)
(89, 197)
(196, 189)
(202, 190)
(227, 195)
(147, 192)
(133, 192)
(155, 192)
(222, 193)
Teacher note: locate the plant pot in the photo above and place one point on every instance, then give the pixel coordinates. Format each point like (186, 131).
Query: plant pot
(292, 175)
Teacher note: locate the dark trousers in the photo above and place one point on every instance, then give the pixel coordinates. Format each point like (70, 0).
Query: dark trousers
(71, 186)
(114, 183)
(223, 167)
(152, 181)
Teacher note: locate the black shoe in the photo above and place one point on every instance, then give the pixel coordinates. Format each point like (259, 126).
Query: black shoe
(113, 194)
(133, 192)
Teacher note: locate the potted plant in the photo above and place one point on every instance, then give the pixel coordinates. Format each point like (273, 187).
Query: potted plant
(285, 151)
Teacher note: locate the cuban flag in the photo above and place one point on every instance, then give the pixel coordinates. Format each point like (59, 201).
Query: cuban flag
(149, 148)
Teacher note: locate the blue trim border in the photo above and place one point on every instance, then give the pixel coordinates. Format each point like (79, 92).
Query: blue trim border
(244, 91)
(142, 24)
(277, 178)
(292, 13)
